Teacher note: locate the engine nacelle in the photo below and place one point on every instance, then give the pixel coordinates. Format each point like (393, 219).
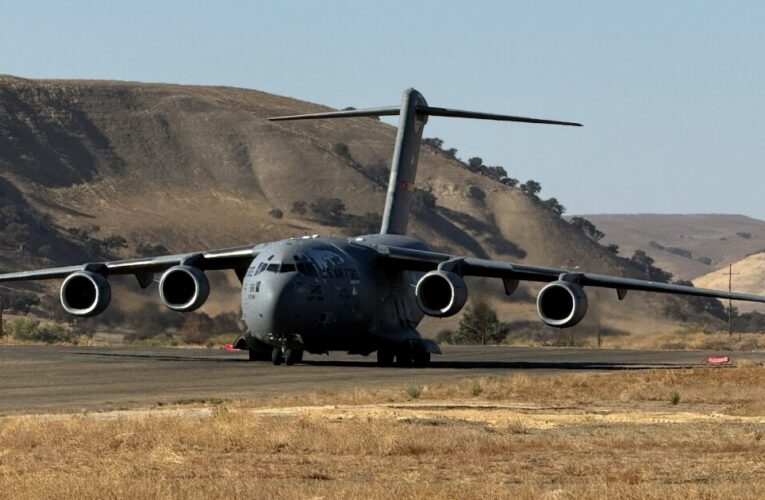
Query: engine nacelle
(562, 304)
(85, 294)
(441, 293)
(184, 288)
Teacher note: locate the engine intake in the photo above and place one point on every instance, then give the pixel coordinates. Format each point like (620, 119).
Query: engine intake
(184, 288)
(85, 294)
(441, 293)
(562, 304)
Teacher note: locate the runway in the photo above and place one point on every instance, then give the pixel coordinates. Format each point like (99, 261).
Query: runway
(53, 378)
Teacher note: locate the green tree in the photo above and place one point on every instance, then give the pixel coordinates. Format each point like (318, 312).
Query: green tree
(433, 142)
(299, 207)
(475, 163)
(115, 242)
(587, 227)
(531, 187)
(554, 205)
(328, 208)
(480, 325)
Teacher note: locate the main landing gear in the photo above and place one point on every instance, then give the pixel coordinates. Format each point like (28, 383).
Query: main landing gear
(404, 355)
(287, 356)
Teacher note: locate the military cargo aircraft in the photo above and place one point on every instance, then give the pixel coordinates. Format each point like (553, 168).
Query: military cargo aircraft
(361, 295)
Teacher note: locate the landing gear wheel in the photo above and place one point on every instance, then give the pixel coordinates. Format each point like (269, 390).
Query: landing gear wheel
(292, 356)
(421, 358)
(277, 357)
(385, 357)
(404, 356)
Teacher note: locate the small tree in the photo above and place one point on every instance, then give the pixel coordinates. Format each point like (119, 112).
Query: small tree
(197, 328)
(476, 193)
(115, 242)
(299, 207)
(149, 250)
(276, 213)
(475, 163)
(433, 142)
(342, 150)
(328, 208)
(451, 153)
(587, 227)
(479, 325)
(553, 205)
(496, 172)
(531, 187)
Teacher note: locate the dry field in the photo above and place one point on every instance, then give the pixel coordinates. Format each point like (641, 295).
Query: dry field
(694, 433)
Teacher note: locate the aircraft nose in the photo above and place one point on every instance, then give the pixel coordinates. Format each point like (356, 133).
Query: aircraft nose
(277, 302)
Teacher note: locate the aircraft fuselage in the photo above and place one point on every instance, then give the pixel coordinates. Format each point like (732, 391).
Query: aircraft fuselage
(323, 294)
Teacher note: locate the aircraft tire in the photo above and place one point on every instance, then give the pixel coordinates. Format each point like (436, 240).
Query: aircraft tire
(421, 358)
(292, 356)
(385, 357)
(404, 356)
(277, 357)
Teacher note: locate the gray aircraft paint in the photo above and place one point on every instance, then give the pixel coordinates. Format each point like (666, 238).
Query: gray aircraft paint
(403, 169)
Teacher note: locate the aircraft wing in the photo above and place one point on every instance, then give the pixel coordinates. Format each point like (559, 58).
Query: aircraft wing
(237, 258)
(420, 260)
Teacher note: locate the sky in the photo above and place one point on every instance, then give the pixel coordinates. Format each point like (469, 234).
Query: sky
(671, 93)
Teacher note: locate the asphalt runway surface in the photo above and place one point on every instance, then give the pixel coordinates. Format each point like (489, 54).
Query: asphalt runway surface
(43, 379)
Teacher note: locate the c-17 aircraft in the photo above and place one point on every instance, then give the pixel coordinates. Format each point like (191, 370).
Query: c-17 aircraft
(360, 295)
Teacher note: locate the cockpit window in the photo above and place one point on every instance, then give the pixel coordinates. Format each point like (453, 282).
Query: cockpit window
(261, 268)
(307, 268)
(273, 268)
(287, 268)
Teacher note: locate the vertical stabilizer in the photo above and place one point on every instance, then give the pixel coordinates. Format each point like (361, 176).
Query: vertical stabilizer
(403, 168)
(414, 112)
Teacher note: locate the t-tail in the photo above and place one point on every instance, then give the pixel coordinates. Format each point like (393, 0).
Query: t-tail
(413, 112)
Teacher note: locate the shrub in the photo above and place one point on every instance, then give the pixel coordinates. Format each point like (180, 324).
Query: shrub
(299, 207)
(587, 227)
(674, 398)
(531, 187)
(32, 329)
(476, 193)
(479, 325)
(276, 213)
(328, 208)
(342, 151)
(414, 391)
(149, 250)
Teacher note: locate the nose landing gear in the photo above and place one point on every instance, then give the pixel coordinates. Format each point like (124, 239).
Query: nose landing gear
(281, 355)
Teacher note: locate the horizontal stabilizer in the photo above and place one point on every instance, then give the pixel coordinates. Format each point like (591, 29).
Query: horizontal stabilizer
(348, 113)
(456, 113)
(421, 110)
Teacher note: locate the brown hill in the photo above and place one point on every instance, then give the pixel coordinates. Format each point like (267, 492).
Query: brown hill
(687, 245)
(748, 276)
(192, 167)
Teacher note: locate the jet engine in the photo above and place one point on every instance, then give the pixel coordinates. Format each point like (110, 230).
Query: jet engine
(562, 304)
(85, 294)
(184, 288)
(441, 293)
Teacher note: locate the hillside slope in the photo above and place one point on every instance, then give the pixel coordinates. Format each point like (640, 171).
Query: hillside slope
(748, 276)
(191, 167)
(687, 245)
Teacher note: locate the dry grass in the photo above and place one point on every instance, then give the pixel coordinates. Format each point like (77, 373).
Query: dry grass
(570, 436)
